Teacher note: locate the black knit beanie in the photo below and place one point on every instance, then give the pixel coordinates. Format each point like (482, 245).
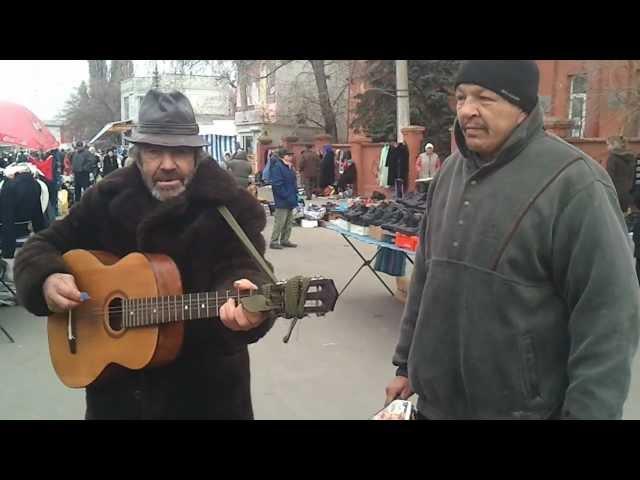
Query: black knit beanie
(514, 80)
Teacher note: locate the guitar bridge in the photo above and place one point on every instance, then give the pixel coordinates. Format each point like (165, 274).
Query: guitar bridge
(71, 337)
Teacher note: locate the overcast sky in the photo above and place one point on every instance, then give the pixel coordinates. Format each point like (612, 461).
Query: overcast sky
(43, 86)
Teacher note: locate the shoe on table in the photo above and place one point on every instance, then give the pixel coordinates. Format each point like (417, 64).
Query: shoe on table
(288, 244)
(275, 246)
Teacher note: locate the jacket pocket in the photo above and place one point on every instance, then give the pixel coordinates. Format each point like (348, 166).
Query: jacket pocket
(529, 367)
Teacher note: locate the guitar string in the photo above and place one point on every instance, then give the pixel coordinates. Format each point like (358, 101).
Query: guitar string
(194, 304)
(99, 313)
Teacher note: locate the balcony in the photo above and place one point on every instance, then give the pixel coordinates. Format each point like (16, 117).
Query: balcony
(258, 114)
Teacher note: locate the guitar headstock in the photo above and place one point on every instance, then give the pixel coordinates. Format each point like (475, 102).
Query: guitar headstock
(321, 296)
(294, 298)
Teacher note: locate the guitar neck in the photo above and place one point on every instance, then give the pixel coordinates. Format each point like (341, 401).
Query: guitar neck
(150, 311)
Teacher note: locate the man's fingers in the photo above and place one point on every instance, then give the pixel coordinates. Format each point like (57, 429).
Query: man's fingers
(229, 317)
(392, 394)
(241, 319)
(406, 393)
(60, 304)
(244, 284)
(69, 290)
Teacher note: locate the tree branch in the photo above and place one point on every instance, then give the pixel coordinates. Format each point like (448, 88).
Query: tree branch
(286, 62)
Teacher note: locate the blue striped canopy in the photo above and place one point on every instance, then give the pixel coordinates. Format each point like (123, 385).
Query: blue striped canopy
(217, 145)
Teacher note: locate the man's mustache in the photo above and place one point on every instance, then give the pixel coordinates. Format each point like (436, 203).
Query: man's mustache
(167, 179)
(474, 126)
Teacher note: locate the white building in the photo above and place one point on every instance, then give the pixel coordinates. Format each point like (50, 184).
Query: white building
(55, 127)
(211, 99)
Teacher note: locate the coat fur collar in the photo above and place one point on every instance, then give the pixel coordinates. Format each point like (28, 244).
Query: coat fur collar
(130, 202)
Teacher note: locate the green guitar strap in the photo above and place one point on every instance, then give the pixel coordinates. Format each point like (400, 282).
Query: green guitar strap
(237, 229)
(294, 290)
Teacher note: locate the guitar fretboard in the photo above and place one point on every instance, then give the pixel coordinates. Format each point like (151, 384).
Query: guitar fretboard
(144, 312)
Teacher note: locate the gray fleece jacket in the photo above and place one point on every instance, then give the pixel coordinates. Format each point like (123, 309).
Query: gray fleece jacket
(523, 301)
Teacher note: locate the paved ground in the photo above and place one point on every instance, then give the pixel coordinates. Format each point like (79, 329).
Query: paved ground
(334, 367)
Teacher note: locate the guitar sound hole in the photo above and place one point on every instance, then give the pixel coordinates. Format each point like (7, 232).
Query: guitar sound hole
(115, 314)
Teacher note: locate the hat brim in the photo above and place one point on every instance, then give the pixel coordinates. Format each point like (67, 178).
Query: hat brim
(167, 140)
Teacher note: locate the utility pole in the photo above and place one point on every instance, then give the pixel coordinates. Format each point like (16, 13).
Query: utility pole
(156, 76)
(402, 95)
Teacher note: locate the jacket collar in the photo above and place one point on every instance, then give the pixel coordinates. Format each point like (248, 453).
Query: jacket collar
(134, 207)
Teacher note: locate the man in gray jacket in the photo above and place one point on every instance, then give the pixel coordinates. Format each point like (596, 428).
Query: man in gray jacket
(83, 163)
(523, 302)
(240, 168)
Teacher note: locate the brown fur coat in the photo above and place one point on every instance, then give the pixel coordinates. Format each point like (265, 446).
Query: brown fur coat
(210, 378)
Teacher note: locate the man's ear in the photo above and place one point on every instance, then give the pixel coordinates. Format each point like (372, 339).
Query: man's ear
(522, 117)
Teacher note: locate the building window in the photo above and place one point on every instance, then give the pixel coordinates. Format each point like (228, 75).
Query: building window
(578, 104)
(247, 143)
(126, 108)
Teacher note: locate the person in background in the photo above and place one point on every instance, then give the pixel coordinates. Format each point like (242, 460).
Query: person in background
(83, 163)
(309, 169)
(327, 168)
(349, 176)
(95, 165)
(621, 166)
(285, 196)
(110, 162)
(240, 168)
(428, 162)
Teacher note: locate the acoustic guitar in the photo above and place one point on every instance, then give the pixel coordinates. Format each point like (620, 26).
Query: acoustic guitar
(135, 312)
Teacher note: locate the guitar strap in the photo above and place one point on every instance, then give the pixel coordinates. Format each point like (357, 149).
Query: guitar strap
(295, 288)
(237, 229)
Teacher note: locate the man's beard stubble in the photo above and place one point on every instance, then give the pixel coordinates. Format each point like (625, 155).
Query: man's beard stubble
(161, 194)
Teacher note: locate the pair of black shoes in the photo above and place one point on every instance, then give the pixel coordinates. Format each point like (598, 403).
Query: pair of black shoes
(386, 214)
(355, 212)
(414, 200)
(406, 222)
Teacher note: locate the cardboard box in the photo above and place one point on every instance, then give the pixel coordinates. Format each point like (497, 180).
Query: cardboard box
(340, 223)
(377, 233)
(359, 230)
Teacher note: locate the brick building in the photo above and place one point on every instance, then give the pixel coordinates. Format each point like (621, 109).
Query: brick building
(586, 101)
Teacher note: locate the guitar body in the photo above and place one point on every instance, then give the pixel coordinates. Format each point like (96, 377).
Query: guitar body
(101, 344)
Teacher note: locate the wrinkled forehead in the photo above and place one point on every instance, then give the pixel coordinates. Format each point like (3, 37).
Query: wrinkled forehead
(473, 90)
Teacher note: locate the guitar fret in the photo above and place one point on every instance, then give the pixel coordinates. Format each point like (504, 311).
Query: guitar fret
(148, 311)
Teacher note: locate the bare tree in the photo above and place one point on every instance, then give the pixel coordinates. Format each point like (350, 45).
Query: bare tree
(94, 105)
(310, 91)
(328, 113)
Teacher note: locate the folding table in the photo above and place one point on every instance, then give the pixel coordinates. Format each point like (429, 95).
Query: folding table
(346, 234)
